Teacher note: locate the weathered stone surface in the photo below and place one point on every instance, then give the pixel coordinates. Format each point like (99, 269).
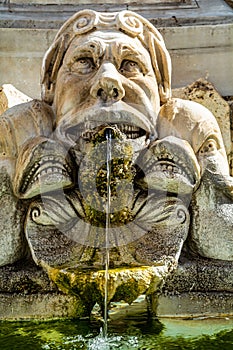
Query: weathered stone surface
(198, 288)
(3, 101)
(203, 92)
(200, 275)
(25, 278)
(230, 101)
(188, 305)
(26, 292)
(90, 2)
(123, 284)
(39, 306)
(12, 247)
(14, 96)
(210, 204)
(10, 96)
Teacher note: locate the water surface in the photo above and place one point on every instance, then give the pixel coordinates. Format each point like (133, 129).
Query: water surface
(125, 333)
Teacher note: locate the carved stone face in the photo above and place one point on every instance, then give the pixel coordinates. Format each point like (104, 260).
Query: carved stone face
(107, 77)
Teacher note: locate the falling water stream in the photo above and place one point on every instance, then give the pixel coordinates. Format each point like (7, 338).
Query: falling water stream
(108, 134)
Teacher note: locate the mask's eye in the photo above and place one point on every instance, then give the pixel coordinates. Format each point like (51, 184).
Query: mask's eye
(84, 65)
(209, 147)
(130, 68)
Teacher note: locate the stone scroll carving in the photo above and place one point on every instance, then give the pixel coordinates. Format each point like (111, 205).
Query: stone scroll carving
(170, 180)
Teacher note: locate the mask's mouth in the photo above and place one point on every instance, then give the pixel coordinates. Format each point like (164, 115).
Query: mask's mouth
(87, 131)
(83, 124)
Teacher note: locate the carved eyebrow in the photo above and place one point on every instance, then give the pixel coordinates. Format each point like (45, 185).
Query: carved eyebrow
(95, 49)
(134, 54)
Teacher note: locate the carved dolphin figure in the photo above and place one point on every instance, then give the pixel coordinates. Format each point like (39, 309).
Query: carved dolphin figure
(211, 207)
(18, 126)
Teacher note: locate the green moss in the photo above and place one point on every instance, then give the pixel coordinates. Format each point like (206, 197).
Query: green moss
(127, 291)
(94, 181)
(88, 286)
(79, 285)
(100, 136)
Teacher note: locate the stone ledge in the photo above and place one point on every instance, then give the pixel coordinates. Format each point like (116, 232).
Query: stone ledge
(39, 306)
(159, 3)
(50, 15)
(193, 305)
(198, 288)
(201, 275)
(24, 278)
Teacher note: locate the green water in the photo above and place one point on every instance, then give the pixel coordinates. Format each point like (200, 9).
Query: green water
(128, 333)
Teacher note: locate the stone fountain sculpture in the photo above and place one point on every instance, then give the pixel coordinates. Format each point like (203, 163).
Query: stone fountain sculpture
(170, 183)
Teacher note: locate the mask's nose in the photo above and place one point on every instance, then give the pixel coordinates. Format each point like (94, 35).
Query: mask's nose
(108, 86)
